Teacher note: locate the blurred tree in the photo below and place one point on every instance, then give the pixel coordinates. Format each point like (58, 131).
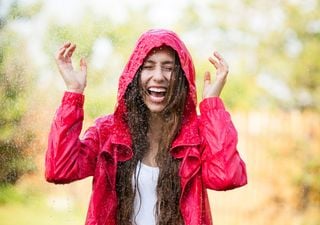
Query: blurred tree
(290, 54)
(15, 86)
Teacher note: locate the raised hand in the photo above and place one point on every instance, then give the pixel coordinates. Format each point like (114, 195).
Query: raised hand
(75, 80)
(214, 89)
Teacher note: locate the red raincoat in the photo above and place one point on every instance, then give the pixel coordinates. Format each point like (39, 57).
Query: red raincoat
(206, 144)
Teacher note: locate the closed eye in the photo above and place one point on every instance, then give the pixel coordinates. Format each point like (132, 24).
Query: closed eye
(147, 67)
(167, 69)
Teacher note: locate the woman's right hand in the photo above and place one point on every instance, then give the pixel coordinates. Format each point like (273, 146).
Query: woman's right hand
(75, 81)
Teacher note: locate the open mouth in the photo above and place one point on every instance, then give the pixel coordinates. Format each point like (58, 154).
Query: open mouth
(157, 94)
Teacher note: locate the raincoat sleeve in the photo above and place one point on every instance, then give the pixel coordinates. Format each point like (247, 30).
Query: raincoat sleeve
(68, 158)
(222, 167)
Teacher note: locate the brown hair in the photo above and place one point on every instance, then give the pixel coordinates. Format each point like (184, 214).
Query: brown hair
(168, 186)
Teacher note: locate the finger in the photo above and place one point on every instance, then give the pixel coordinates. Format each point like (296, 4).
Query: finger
(60, 53)
(62, 49)
(217, 55)
(214, 62)
(221, 59)
(207, 78)
(70, 50)
(65, 45)
(83, 65)
(68, 53)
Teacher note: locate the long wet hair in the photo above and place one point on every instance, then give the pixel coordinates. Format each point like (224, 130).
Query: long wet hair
(168, 187)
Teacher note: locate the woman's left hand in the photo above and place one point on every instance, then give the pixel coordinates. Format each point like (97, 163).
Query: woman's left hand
(214, 89)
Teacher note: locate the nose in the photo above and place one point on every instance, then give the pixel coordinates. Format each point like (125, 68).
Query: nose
(158, 74)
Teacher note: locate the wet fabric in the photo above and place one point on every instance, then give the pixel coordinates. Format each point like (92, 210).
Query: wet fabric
(206, 144)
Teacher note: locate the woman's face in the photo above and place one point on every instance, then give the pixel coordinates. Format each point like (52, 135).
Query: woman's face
(155, 77)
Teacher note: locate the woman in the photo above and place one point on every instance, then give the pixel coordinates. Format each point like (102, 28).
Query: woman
(153, 158)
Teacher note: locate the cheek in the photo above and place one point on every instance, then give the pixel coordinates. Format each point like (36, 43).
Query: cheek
(142, 85)
(144, 77)
(168, 76)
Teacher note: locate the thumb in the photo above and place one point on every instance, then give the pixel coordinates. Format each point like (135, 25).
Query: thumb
(207, 78)
(83, 65)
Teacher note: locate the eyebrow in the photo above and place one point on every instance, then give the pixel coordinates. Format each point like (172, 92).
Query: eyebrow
(162, 63)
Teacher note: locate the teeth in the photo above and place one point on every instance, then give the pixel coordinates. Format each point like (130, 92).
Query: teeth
(156, 89)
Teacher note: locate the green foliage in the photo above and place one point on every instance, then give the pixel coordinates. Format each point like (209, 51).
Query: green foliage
(15, 161)
(18, 12)
(240, 94)
(9, 194)
(15, 85)
(291, 54)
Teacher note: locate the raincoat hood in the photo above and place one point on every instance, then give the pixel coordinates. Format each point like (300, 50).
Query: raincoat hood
(149, 40)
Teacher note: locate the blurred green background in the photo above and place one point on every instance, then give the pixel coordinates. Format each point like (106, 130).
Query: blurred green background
(273, 94)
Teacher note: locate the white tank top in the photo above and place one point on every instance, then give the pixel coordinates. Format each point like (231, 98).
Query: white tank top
(145, 200)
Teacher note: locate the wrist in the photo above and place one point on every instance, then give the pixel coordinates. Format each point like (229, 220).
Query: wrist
(76, 90)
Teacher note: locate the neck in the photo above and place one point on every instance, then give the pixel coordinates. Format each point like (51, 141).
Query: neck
(155, 125)
(154, 136)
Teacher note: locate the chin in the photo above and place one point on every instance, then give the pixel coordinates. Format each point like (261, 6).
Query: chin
(155, 108)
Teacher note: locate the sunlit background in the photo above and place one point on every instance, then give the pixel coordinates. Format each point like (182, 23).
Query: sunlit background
(272, 93)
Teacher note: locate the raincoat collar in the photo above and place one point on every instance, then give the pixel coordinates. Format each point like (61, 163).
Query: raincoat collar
(188, 134)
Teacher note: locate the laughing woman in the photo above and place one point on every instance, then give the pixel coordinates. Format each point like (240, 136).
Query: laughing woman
(154, 157)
